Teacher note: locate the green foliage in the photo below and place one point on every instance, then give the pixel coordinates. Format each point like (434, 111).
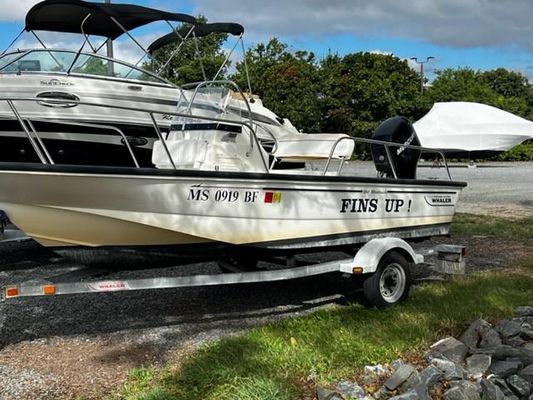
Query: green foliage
(360, 90)
(515, 229)
(185, 65)
(287, 83)
(522, 152)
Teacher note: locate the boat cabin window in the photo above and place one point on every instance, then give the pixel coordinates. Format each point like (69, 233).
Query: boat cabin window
(60, 61)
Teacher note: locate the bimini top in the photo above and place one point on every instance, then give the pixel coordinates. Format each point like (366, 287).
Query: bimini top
(68, 16)
(198, 31)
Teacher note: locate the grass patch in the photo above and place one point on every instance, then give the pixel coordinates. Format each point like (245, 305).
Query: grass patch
(273, 361)
(505, 228)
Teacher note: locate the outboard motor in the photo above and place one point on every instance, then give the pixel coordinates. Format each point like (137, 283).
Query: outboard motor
(405, 160)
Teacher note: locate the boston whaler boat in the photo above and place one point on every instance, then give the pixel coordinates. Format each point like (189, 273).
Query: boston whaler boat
(213, 188)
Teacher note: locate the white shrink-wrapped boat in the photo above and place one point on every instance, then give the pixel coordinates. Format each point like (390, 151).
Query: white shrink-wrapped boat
(463, 129)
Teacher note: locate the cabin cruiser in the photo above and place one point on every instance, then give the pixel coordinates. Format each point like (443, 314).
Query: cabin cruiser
(212, 185)
(87, 77)
(472, 130)
(51, 74)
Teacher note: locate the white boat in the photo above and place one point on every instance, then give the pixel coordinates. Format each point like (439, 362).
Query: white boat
(52, 74)
(464, 129)
(213, 186)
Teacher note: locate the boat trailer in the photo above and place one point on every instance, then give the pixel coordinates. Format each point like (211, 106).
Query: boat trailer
(382, 264)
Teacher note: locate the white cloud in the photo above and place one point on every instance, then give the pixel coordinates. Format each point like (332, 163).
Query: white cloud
(456, 23)
(15, 10)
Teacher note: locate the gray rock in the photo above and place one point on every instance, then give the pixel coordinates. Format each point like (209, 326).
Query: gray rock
(350, 390)
(490, 391)
(401, 375)
(508, 393)
(504, 352)
(490, 338)
(426, 379)
(464, 391)
(451, 348)
(508, 328)
(472, 336)
(376, 370)
(451, 370)
(477, 365)
(503, 369)
(396, 364)
(524, 311)
(410, 395)
(519, 385)
(527, 334)
(527, 373)
(514, 341)
(326, 394)
(411, 382)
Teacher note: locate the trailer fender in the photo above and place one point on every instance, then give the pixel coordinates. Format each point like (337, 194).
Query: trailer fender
(368, 257)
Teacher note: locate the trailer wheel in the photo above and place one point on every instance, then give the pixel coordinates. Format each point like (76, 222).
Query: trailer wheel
(390, 283)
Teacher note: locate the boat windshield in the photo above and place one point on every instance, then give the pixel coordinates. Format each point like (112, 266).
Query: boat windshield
(8, 58)
(60, 61)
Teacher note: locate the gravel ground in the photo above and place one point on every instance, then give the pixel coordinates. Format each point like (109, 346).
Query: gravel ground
(85, 344)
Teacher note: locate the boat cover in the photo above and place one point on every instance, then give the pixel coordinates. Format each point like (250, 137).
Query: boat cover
(471, 127)
(312, 146)
(68, 16)
(199, 31)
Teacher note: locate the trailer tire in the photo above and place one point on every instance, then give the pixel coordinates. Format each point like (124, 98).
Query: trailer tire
(390, 283)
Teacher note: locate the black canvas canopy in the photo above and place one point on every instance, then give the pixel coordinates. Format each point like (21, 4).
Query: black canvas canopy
(199, 31)
(68, 15)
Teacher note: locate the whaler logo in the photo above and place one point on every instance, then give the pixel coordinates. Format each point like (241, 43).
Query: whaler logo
(56, 82)
(439, 200)
(108, 286)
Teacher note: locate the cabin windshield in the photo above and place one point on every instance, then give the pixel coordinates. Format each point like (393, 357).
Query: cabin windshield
(60, 61)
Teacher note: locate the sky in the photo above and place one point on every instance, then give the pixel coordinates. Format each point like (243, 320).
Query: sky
(480, 34)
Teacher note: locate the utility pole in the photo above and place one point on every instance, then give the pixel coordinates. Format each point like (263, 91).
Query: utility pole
(109, 45)
(422, 70)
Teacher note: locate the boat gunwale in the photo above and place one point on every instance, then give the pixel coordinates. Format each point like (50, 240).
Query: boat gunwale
(187, 173)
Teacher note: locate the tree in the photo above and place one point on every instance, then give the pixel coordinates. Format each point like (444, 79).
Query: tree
(462, 84)
(506, 83)
(499, 88)
(287, 83)
(362, 89)
(185, 66)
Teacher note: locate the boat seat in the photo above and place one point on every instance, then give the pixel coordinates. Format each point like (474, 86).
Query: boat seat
(186, 153)
(313, 146)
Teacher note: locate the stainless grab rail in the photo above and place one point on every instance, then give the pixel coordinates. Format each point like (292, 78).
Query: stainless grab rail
(387, 146)
(150, 113)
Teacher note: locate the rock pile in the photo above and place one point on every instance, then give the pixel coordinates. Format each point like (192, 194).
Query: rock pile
(486, 362)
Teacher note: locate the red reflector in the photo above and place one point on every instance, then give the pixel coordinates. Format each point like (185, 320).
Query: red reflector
(12, 292)
(268, 197)
(49, 289)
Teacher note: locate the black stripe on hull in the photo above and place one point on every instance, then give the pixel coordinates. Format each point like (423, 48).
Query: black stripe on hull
(181, 173)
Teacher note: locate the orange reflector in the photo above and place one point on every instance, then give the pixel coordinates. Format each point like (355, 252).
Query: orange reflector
(49, 289)
(357, 270)
(12, 292)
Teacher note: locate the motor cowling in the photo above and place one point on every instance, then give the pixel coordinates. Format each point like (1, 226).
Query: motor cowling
(405, 160)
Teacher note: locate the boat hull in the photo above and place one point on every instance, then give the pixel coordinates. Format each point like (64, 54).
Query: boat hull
(77, 206)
